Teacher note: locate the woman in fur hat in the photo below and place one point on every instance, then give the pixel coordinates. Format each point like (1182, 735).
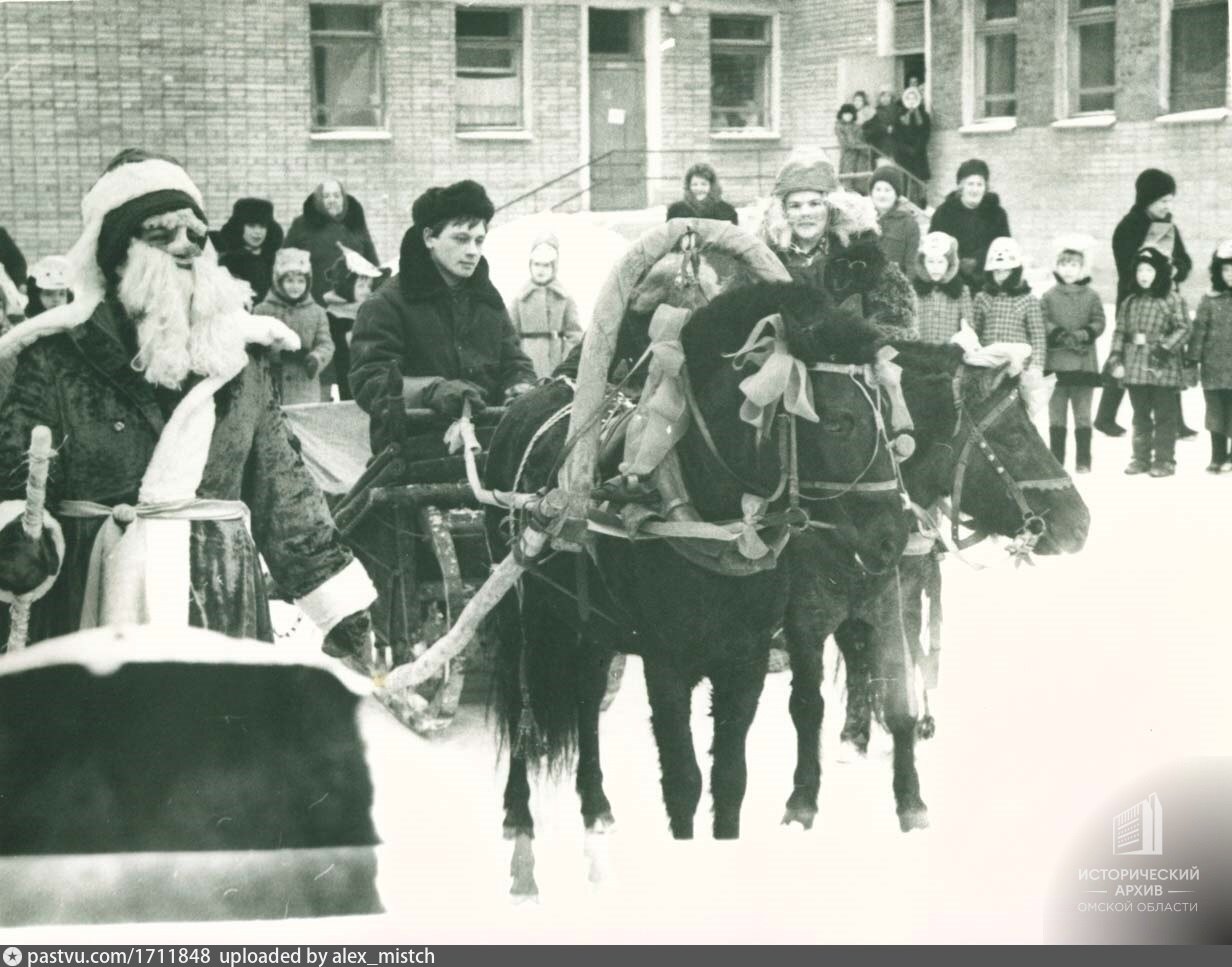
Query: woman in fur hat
(290, 301)
(544, 314)
(1074, 319)
(1005, 310)
(1210, 348)
(330, 216)
(944, 299)
(973, 215)
(1147, 356)
(828, 238)
(246, 244)
(1147, 223)
(703, 197)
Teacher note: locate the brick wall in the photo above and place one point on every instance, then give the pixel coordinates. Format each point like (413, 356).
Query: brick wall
(1081, 179)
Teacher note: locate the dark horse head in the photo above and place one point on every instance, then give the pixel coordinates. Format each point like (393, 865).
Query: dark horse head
(846, 472)
(974, 434)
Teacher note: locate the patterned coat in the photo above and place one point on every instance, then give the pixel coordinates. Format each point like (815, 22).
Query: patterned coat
(942, 309)
(105, 420)
(1006, 317)
(1146, 323)
(1211, 343)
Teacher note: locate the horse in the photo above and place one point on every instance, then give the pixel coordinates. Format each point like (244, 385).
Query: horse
(975, 443)
(645, 598)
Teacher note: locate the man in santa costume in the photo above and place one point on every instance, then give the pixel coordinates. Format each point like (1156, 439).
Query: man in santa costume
(173, 466)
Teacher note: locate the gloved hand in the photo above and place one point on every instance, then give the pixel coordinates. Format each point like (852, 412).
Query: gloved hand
(1080, 337)
(448, 396)
(350, 638)
(1161, 356)
(312, 364)
(25, 564)
(513, 392)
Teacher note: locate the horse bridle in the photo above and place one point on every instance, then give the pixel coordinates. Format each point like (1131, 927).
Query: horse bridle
(1034, 526)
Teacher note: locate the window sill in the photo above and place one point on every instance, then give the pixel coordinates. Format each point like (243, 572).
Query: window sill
(1102, 120)
(356, 134)
(1207, 115)
(989, 126)
(494, 135)
(746, 134)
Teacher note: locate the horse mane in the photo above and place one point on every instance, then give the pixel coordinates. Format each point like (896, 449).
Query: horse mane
(817, 329)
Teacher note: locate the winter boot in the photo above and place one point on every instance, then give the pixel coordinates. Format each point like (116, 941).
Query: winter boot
(1219, 453)
(1105, 416)
(1082, 442)
(1056, 441)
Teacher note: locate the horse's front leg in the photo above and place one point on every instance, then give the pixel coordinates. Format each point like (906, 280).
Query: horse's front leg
(854, 639)
(520, 828)
(805, 633)
(737, 690)
(596, 810)
(670, 697)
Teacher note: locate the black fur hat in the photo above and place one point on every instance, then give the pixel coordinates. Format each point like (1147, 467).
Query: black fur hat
(972, 166)
(1152, 185)
(253, 211)
(1163, 271)
(462, 199)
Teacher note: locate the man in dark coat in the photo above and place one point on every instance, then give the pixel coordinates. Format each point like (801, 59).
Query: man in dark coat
(973, 215)
(173, 465)
(440, 323)
(247, 242)
(1148, 224)
(331, 215)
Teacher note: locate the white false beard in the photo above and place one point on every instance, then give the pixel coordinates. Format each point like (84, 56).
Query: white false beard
(184, 318)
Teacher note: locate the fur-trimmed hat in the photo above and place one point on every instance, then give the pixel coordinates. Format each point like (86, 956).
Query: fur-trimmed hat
(1162, 284)
(806, 171)
(1151, 185)
(891, 175)
(462, 199)
(938, 243)
(253, 211)
(136, 185)
(1003, 254)
(547, 239)
(1221, 257)
(287, 260)
(972, 166)
(1074, 243)
(51, 273)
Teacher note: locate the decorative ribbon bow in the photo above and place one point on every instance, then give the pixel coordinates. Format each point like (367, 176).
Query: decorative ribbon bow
(779, 376)
(753, 509)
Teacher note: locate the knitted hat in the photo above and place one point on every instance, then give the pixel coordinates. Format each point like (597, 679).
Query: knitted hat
(135, 187)
(462, 199)
(1073, 243)
(1152, 185)
(51, 272)
(1003, 253)
(287, 260)
(252, 211)
(972, 166)
(548, 239)
(938, 243)
(891, 176)
(805, 172)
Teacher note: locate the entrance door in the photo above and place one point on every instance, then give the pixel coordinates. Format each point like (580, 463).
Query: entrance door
(617, 110)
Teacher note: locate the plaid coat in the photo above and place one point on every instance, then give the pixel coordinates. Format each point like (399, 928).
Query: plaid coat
(940, 315)
(1012, 318)
(1211, 343)
(1146, 323)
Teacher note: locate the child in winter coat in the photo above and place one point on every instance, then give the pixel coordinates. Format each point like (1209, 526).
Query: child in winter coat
(290, 300)
(544, 314)
(1210, 348)
(1073, 319)
(354, 279)
(1006, 311)
(1152, 327)
(944, 300)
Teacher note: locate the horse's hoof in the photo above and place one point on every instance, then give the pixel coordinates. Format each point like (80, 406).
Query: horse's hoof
(681, 831)
(803, 815)
(926, 728)
(915, 817)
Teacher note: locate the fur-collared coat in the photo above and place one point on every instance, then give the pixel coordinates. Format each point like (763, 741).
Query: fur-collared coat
(292, 381)
(546, 318)
(106, 419)
(320, 234)
(974, 228)
(428, 332)
(1211, 343)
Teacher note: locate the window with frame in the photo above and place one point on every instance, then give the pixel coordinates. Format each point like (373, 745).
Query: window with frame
(490, 73)
(347, 91)
(1092, 56)
(1199, 71)
(996, 58)
(740, 65)
(908, 26)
